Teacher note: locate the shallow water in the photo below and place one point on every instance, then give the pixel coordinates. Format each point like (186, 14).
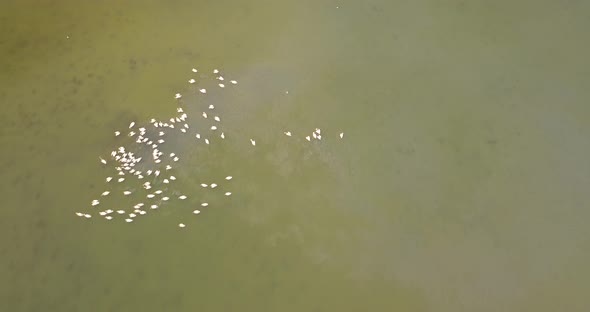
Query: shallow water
(460, 183)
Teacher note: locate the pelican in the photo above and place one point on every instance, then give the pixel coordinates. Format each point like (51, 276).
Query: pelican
(204, 115)
(228, 178)
(181, 225)
(108, 217)
(211, 106)
(194, 70)
(117, 133)
(166, 181)
(204, 204)
(128, 220)
(154, 206)
(192, 81)
(182, 197)
(220, 78)
(183, 130)
(131, 124)
(308, 138)
(213, 128)
(216, 118)
(120, 211)
(213, 185)
(221, 85)
(203, 91)
(253, 142)
(198, 136)
(172, 178)
(126, 193)
(150, 195)
(227, 193)
(341, 135)
(206, 141)
(102, 160)
(121, 180)
(109, 179)
(234, 82)
(288, 133)
(177, 96)
(197, 211)
(158, 192)
(95, 202)
(165, 198)
(215, 71)
(105, 193)
(222, 135)
(204, 185)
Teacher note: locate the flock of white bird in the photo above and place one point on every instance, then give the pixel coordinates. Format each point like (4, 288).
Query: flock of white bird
(153, 174)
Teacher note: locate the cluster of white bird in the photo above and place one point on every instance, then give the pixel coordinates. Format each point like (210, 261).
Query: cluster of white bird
(158, 165)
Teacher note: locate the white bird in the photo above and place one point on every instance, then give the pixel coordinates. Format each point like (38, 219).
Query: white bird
(108, 217)
(117, 133)
(132, 215)
(182, 197)
(161, 133)
(161, 141)
(102, 160)
(175, 158)
(179, 110)
(288, 133)
(213, 185)
(204, 115)
(318, 130)
(341, 135)
(197, 211)
(206, 141)
(154, 206)
(105, 193)
(253, 142)
(227, 193)
(216, 118)
(120, 211)
(308, 138)
(109, 179)
(183, 130)
(87, 216)
(194, 70)
(126, 193)
(172, 178)
(228, 178)
(79, 214)
(165, 198)
(181, 225)
(221, 85)
(166, 181)
(150, 195)
(168, 167)
(220, 78)
(142, 212)
(131, 124)
(234, 82)
(121, 180)
(158, 192)
(204, 204)
(128, 220)
(204, 185)
(191, 81)
(222, 135)
(215, 71)
(203, 91)
(198, 136)
(211, 106)
(213, 128)
(177, 96)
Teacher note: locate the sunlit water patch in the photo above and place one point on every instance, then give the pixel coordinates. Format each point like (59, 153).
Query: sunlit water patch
(156, 163)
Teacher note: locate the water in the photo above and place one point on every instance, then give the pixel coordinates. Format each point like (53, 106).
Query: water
(460, 183)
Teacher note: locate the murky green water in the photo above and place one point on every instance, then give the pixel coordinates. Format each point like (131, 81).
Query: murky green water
(460, 184)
